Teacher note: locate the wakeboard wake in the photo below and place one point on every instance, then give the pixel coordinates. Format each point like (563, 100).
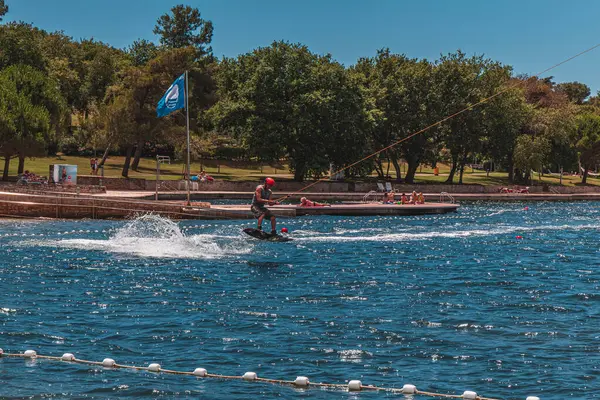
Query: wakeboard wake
(262, 235)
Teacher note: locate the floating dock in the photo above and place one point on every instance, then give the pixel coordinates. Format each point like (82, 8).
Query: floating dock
(355, 209)
(61, 205)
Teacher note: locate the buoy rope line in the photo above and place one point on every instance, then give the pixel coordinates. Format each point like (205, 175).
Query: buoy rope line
(182, 228)
(300, 381)
(508, 88)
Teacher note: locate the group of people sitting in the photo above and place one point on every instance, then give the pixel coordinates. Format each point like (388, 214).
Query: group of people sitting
(415, 198)
(203, 177)
(30, 177)
(515, 190)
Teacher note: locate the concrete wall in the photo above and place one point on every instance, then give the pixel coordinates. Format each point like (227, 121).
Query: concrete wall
(114, 183)
(52, 188)
(573, 189)
(69, 206)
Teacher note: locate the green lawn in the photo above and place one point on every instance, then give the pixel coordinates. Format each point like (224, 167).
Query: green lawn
(233, 171)
(147, 168)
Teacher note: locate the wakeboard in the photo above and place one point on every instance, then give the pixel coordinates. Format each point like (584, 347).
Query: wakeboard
(261, 235)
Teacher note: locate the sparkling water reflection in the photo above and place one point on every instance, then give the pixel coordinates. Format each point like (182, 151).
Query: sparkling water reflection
(448, 303)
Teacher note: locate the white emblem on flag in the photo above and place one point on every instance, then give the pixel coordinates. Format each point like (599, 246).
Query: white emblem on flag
(172, 96)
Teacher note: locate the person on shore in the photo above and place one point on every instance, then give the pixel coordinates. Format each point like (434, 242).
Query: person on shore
(413, 198)
(93, 166)
(304, 202)
(404, 199)
(420, 198)
(262, 197)
(201, 176)
(204, 177)
(388, 197)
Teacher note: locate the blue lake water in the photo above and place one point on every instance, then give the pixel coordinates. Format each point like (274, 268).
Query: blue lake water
(448, 303)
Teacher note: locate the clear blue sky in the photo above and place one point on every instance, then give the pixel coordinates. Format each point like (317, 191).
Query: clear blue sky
(530, 35)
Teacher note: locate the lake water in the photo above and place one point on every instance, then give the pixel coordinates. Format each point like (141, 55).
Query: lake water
(495, 298)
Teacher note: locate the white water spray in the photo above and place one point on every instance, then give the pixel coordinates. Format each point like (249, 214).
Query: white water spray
(155, 236)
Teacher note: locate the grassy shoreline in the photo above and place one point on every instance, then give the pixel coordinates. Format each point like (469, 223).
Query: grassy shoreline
(235, 171)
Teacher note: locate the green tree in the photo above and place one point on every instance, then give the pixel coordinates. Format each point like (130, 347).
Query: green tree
(20, 43)
(141, 52)
(551, 118)
(117, 122)
(588, 130)
(503, 120)
(3, 9)
(335, 114)
(284, 101)
(563, 137)
(102, 66)
(397, 92)
(576, 92)
(65, 63)
(530, 153)
(36, 111)
(461, 83)
(8, 119)
(184, 27)
(552, 127)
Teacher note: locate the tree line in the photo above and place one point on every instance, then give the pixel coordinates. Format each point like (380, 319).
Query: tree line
(284, 101)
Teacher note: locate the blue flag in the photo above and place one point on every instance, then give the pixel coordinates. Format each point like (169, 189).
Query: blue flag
(174, 98)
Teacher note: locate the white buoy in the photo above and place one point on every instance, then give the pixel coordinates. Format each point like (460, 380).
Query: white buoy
(354, 385)
(68, 357)
(108, 363)
(409, 389)
(200, 372)
(532, 398)
(154, 367)
(250, 376)
(469, 395)
(301, 381)
(30, 354)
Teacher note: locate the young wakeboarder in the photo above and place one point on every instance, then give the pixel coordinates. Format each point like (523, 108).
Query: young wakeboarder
(262, 197)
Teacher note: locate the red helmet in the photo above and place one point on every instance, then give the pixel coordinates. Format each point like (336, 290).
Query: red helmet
(270, 181)
(284, 230)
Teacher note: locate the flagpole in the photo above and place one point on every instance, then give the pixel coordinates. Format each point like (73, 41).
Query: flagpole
(187, 120)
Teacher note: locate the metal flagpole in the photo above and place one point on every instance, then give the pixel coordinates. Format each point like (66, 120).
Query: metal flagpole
(187, 119)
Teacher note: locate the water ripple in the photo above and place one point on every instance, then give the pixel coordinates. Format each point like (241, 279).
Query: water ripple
(450, 303)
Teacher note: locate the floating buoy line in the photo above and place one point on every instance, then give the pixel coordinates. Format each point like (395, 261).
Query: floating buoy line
(299, 382)
(182, 228)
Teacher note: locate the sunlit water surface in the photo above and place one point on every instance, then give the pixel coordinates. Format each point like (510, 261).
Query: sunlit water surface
(496, 299)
